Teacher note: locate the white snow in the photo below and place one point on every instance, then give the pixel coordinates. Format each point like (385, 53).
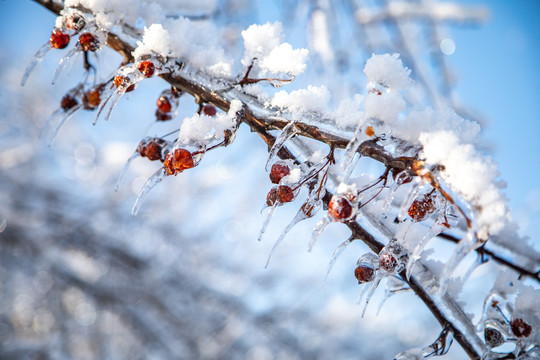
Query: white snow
(313, 98)
(388, 71)
(263, 42)
(470, 174)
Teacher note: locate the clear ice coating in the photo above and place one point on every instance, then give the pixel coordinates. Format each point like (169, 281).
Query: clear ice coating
(66, 115)
(462, 249)
(155, 179)
(125, 169)
(38, 56)
(267, 219)
(64, 61)
(350, 156)
(339, 250)
(401, 178)
(318, 230)
(287, 133)
(394, 285)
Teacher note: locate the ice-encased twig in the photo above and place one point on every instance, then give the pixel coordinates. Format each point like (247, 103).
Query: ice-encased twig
(64, 61)
(463, 248)
(40, 54)
(267, 220)
(124, 170)
(67, 115)
(152, 181)
(288, 132)
(318, 230)
(339, 250)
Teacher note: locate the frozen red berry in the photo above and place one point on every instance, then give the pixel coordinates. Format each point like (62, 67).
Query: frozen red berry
(123, 81)
(364, 273)
(278, 172)
(281, 194)
(59, 39)
(421, 208)
(520, 328)
(177, 161)
(209, 110)
(88, 42)
(340, 208)
(91, 99)
(146, 68)
(164, 104)
(152, 148)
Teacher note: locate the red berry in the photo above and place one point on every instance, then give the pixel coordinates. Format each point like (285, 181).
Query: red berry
(161, 116)
(88, 42)
(177, 161)
(164, 104)
(340, 208)
(520, 328)
(146, 68)
(68, 102)
(152, 148)
(209, 110)
(369, 131)
(278, 172)
(59, 40)
(364, 274)
(281, 194)
(420, 209)
(91, 99)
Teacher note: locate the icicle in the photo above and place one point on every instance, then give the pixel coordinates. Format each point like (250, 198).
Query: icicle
(124, 170)
(400, 180)
(437, 227)
(103, 104)
(318, 230)
(394, 285)
(413, 193)
(339, 250)
(348, 162)
(370, 291)
(68, 114)
(155, 179)
(115, 99)
(463, 248)
(40, 54)
(64, 61)
(477, 262)
(267, 220)
(288, 132)
(300, 215)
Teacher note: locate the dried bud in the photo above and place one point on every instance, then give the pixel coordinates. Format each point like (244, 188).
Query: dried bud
(520, 328)
(75, 22)
(68, 102)
(493, 337)
(91, 99)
